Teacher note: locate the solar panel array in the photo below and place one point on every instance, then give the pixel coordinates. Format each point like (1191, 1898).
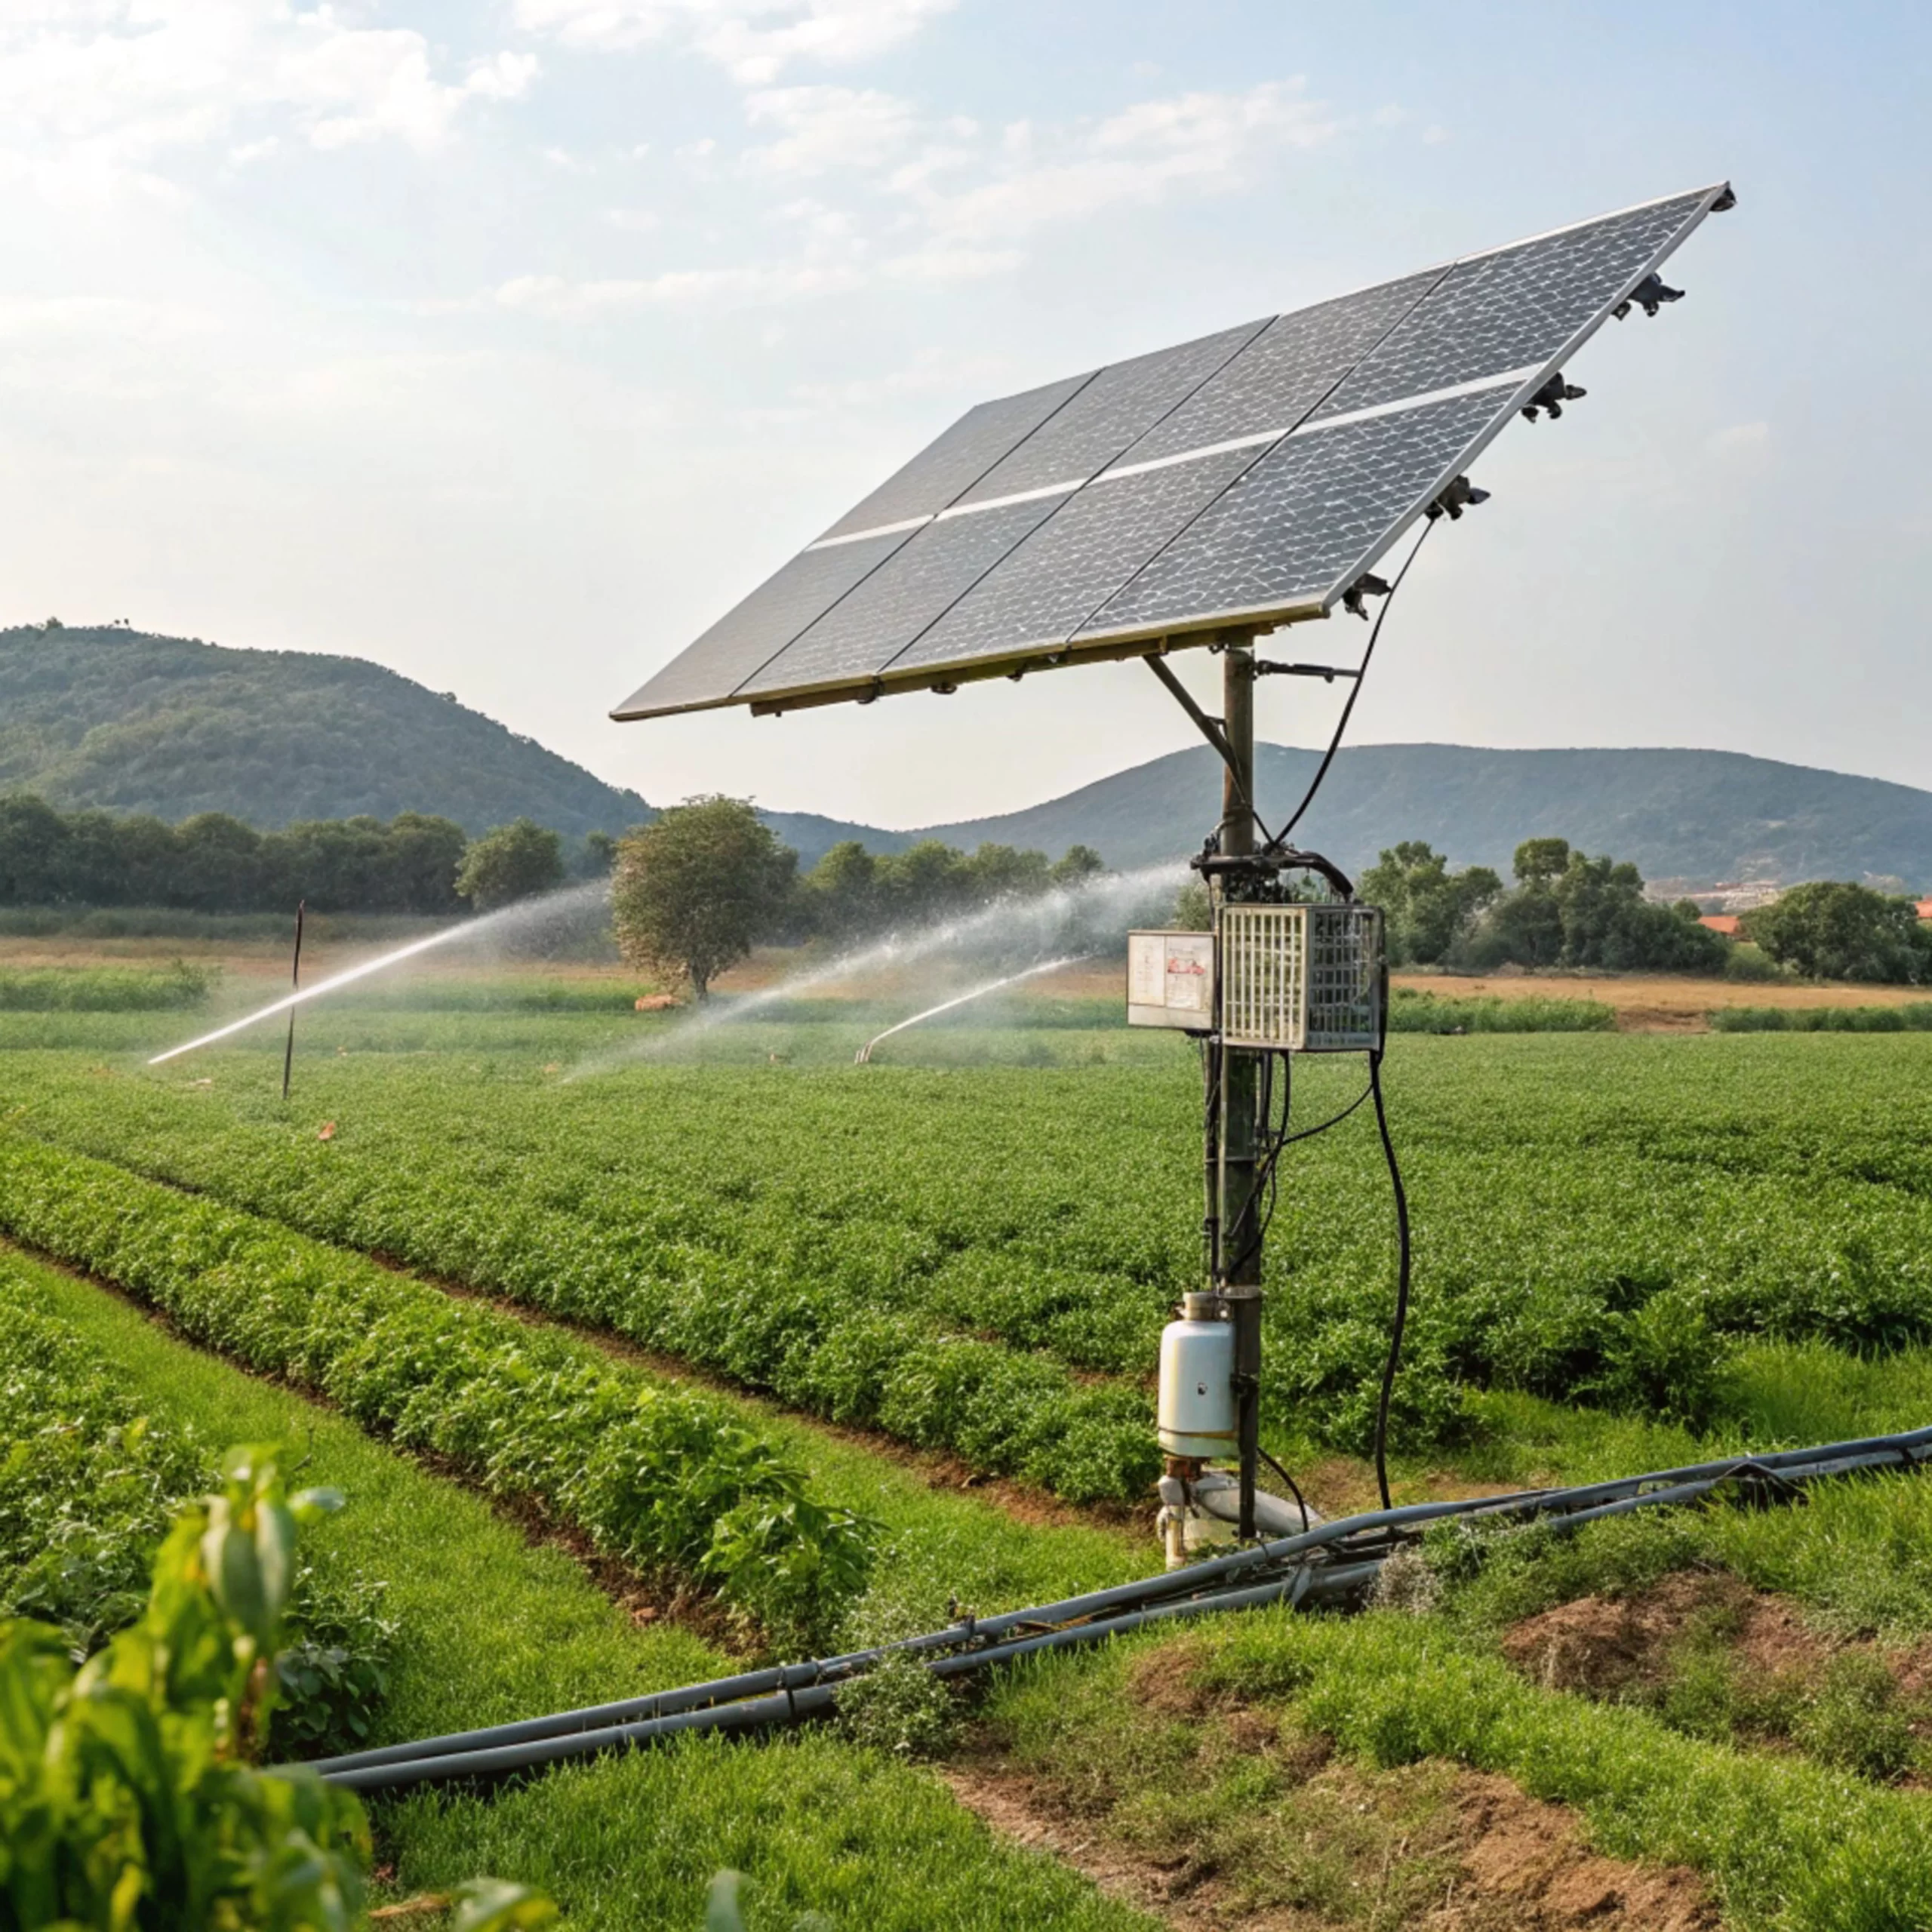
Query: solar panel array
(1249, 477)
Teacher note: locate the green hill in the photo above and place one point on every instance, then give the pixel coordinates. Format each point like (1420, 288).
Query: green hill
(120, 719)
(1692, 815)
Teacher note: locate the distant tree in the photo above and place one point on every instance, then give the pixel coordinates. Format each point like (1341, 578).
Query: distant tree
(1571, 909)
(1002, 872)
(1076, 865)
(1608, 922)
(843, 891)
(512, 863)
(1427, 907)
(696, 890)
(218, 863)
(1841, 931)
(425, 852)
(32, 836)
(1541, 861)
(599, 855)
(926, 881)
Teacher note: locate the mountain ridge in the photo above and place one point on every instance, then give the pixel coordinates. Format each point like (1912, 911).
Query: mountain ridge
(1679, 813)
(105, 716)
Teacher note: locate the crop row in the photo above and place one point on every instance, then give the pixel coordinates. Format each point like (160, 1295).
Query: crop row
(1597, 1218)
(837, 1323)
(657, 1478)
(88, 1486)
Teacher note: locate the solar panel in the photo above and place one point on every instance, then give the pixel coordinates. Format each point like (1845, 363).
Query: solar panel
(1249, 477)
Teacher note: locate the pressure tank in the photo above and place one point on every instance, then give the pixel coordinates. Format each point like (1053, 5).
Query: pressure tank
(1196, 1411)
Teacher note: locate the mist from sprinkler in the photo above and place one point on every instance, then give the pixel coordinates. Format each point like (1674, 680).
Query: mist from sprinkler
(525, 912)
(1044, 915)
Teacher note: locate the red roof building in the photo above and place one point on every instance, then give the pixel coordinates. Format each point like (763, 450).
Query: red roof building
(1727, 923)
(1925, 908)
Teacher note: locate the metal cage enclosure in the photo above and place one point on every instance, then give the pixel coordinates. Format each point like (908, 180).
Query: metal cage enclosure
(1305, 978)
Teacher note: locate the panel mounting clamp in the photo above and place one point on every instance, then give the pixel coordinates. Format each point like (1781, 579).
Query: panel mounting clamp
(1327, 673)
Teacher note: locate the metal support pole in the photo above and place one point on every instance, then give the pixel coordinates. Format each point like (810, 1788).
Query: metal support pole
(295, 980)
(1240, 1092)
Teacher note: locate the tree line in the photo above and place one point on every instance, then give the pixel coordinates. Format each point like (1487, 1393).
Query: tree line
(1567, 908)
(213, 863)
(709, 878)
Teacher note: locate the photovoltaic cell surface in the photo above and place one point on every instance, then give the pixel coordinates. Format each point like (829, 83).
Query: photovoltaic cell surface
(1515, 306)
(745, 638)
(1053, 581)
(959, 458)
(1120, 405)
(1289, 369)
(1302, 520)
(858, 636)
(1248, 476)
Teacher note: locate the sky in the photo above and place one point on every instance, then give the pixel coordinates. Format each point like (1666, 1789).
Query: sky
(509, 344)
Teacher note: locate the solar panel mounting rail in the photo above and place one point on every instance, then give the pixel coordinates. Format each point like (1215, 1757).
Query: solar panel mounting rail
(1245, 480)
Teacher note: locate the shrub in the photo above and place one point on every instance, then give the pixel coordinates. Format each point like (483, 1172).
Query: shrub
(1830, 929)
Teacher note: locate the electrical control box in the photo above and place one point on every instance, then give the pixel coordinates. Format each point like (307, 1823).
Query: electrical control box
(1308, 978)
(1170, 980)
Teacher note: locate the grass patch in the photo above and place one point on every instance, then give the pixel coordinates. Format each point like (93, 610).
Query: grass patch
(1414, 1010)
(104, 989)
(1784, 1843)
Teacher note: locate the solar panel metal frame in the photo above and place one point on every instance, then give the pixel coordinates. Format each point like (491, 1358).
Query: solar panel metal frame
(1205, 627)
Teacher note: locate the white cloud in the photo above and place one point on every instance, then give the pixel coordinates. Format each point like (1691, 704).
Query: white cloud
(819, 129)
(950, 203)
(505, 76)
(1189, 144)
(105, 91)
(754, 40)
(1740, 439)
(556, 298)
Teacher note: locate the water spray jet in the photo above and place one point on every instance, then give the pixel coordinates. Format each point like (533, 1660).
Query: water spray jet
(525, 911)
(962, 999)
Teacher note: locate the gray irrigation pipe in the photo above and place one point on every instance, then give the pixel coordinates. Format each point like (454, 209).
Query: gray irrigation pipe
(1323, 1568)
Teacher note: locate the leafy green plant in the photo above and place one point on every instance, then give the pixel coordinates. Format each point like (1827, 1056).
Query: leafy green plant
(127, 1796)
(333, 1668)
(88, 1487)
(131, 1800)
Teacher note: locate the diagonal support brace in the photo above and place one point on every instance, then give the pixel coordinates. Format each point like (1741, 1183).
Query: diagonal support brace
(1210, 727)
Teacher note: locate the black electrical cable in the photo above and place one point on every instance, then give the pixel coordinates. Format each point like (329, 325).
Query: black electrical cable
(1401, 1280)
(1355, 689)
(1334, 1120)
(1301, 1502)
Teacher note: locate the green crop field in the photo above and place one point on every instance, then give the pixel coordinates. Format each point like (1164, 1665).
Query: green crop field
(793, 1354)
